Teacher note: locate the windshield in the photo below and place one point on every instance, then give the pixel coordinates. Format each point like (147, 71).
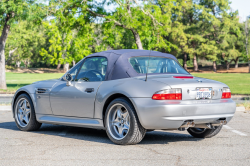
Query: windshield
(156, 65)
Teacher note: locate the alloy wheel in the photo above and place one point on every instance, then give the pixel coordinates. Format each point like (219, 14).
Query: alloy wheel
(22, 112)
(118, 121)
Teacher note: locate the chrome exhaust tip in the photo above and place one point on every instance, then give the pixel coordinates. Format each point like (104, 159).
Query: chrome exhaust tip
(223, 122)
(188, 124)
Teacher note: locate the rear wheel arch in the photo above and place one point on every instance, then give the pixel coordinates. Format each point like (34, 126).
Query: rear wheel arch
(110, 99)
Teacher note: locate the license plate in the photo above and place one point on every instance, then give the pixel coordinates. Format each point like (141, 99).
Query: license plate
(203, 93)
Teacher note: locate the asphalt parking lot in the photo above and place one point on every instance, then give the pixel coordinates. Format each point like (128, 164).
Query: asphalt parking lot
(61, 145)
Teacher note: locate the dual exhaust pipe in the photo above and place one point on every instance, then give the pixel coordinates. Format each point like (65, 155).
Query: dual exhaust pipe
(190, 123)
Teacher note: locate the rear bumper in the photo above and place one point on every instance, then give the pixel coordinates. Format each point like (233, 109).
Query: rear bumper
(157, 114)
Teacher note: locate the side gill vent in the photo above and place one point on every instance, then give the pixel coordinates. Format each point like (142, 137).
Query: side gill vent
(40, 90)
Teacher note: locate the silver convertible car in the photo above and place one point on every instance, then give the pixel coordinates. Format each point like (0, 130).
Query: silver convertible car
(127, 93)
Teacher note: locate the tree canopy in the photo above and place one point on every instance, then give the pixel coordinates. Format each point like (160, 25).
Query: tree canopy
(59, 33)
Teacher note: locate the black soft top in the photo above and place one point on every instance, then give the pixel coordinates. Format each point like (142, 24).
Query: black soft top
(118, 62)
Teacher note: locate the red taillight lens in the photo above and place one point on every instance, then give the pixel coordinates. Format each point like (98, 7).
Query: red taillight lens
(170, 94)
(226, 93)
(184, 77)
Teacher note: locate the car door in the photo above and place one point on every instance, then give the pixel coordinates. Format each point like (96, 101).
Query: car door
(77, 100)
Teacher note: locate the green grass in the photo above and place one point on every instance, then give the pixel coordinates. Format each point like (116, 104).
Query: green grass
(238, 83)
(16, 80)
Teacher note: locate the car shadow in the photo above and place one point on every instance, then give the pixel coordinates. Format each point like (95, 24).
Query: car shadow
(100, 136)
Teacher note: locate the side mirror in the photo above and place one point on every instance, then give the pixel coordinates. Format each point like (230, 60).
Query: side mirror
(68, 77)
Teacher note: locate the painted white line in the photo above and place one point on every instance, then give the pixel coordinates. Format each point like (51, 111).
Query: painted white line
(238, 132)
(64, 132)
(235, 131)
(227, 127)
(241, 109)
(5, 108)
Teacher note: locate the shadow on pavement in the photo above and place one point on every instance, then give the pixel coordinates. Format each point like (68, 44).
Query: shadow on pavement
(100, 136)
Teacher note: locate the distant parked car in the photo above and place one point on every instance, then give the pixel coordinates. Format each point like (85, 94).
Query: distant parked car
(127, 93)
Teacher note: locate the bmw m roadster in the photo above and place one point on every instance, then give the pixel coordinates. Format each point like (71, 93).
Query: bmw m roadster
(126, 93)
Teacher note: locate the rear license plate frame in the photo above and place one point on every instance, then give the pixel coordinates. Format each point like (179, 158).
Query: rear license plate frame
(203, 93)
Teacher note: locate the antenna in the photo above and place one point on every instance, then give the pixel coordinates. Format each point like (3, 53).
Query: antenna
(147, 66)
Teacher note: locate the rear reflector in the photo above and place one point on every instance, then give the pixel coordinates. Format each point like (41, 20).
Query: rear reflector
(184, 77)
(170, 94)
(226, 93)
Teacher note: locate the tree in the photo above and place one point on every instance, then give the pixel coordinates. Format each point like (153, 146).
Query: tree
(66, 45)
(148, 22)
(24, 42)
(186, 25)
(11, 11)
(232, 45)
(69, 33)
(246, 34)
(206, 28)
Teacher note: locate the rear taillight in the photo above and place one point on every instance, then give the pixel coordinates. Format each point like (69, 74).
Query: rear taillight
(169, 94)
(226, 93)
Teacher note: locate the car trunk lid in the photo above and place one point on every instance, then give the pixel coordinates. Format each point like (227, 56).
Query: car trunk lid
(189, 85)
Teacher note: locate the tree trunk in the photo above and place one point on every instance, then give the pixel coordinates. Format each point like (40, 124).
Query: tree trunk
(3, 39)
(195, 63)
(246, 44)
(18, 64)
(27, 64)
(249, 66)
(185, 61)
(10, 54)
(66, 67)
(214, 66)
(73, 62)
(228, 65)
(236, 62)
(58, 65)
(137, 39)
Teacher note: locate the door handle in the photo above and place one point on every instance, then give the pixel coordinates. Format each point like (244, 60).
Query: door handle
(89, 90)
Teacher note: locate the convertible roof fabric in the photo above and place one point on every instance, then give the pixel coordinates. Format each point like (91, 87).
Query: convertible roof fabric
(118, 62)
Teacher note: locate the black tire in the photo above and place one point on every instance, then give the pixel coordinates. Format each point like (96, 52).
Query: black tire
(33, 124)
(204, 133)
(135, 133)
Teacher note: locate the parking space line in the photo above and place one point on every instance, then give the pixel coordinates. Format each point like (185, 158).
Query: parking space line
(238, 132)
(5, 108)
(235, 131)
(227, 127)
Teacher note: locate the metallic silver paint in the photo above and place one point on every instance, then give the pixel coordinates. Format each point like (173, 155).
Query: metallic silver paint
(74, 103)
(153, 114)
(70, 121)
(73, 100)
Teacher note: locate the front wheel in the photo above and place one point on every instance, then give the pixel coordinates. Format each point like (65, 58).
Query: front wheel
(24, 114)
(204, 133)
(122, 124)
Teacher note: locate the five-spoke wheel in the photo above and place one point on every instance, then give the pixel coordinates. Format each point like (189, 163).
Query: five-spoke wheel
(118, 121)
(24, 113)
(122, 124)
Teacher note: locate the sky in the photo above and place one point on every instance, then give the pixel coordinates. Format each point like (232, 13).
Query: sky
(243, 7)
